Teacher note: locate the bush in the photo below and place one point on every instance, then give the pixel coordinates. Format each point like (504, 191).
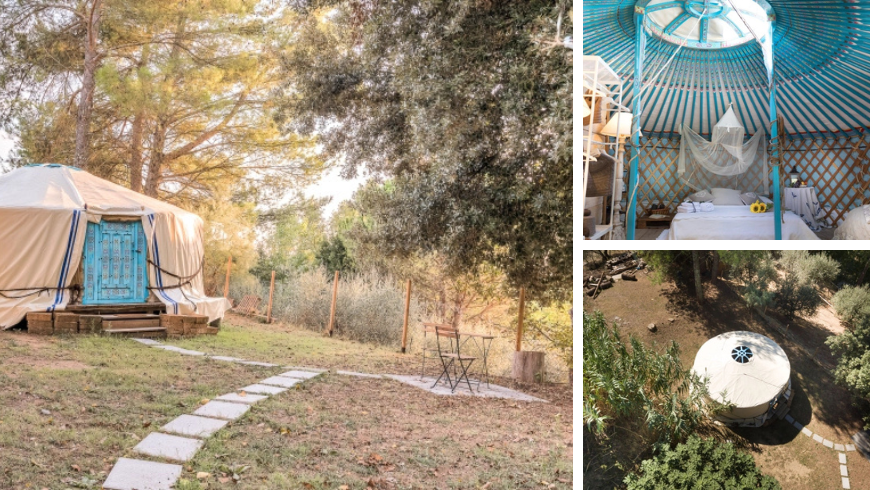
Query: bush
(816, 268)
(851, 303)
(794, 296)
(852, 350)
(701, 463)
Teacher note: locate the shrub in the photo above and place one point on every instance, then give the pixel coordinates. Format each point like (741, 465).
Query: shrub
(852, 350)
(701, 463)
(851, 303)
(794, 296)
(816, 268)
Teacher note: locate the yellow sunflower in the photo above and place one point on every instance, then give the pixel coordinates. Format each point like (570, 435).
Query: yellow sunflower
(755, 207)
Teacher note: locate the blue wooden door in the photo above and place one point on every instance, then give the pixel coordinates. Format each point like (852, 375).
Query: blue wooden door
(115, 270)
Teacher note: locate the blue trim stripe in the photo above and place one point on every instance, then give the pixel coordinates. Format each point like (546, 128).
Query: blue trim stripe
(67, 259)
(157, 273)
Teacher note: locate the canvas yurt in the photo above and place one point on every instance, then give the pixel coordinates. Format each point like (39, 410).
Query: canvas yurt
(749, 371)
(726, 119)
(74, 244)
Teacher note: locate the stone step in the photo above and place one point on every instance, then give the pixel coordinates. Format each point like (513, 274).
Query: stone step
(143, 332)
(128, 323)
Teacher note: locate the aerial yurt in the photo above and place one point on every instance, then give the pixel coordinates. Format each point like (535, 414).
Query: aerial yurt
(726, 119)
(748, 371)
(69, 239)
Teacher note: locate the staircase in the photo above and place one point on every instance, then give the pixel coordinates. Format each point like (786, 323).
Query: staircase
(133, 325)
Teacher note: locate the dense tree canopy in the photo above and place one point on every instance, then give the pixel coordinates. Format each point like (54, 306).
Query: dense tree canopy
(464, 109)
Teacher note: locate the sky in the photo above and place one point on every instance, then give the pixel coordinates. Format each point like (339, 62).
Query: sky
(330, 185)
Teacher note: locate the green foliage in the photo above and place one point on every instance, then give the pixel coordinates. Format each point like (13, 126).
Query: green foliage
(854, 265)
(811, 268)
(794, 296)
(633, 385)
(852, 348)
(334, 256)
(701, 464)
(852, 304)
(473, 126)
(754, 269)
(553, 323)
(290, 237)
(228, 229)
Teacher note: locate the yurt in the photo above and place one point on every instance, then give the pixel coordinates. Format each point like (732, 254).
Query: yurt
(748, 371)
(72, 241)
(726, 119)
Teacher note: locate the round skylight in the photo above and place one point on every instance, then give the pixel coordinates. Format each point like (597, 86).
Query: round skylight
(741, 354)
(708, 24)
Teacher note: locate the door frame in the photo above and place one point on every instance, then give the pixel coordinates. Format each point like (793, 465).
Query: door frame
(139, 296)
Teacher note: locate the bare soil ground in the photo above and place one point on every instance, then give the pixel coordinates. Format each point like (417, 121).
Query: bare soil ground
(825, 408)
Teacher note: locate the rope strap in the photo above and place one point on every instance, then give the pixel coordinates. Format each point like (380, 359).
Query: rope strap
(37, 290)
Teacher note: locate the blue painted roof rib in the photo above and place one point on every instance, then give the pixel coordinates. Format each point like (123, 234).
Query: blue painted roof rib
(822, 55)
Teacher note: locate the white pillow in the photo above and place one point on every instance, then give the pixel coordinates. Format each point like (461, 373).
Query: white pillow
(765, 200)
(701, 196)
(748, 197)
(726, 197)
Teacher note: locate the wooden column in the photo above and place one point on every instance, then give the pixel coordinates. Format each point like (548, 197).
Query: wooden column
(332, 308)
(227, 282)
(405, 322)
(271, 295)
(520, 319)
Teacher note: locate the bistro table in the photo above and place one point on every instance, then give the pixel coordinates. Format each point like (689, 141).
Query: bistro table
(804, 203)
(483, 343)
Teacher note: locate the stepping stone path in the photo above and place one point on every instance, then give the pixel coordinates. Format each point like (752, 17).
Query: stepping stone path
(844, 471)
(135, 474)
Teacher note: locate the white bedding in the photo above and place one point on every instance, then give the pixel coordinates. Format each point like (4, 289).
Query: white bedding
(736, 223)
(856, 225)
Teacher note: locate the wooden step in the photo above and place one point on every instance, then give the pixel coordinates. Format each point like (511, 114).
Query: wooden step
(115, 309)
(145, 332)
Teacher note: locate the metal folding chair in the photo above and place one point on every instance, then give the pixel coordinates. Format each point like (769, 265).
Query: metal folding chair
(449, 345)
(430, 349)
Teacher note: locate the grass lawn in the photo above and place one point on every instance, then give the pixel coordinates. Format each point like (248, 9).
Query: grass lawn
(822, 406)
(73, 405)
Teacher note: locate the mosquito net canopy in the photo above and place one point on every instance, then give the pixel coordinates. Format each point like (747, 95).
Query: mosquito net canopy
(724, 161)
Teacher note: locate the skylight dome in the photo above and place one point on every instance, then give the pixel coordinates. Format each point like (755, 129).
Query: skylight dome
(708, 24)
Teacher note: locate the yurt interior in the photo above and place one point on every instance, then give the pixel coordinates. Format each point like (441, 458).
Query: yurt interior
(726, 119)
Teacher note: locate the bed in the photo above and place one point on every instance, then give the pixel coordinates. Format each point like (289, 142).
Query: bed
(856, 225)
(732, 222)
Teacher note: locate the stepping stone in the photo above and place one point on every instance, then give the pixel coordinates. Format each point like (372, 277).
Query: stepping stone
(222, 410)
(842, 458)
(839, 447)
(299, 374)
(789, 419)
(798, 424)
(360, 375)
(147, 341)
(225, 358)
(191, 425)
(169, 447)
(263, 389)
(180, 350)
(238, 398)
(843, 470)
(281, 381)
(817, 438)
(305, 368)
(828, 443)
(850, 447)
(846, 483)
(134, 474)
(255, 363)
(807, 432)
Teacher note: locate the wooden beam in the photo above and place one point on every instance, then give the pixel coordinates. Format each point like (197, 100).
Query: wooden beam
(271, 295)
(520, 319)
(407, 312)
(227, 282)
(332, 308)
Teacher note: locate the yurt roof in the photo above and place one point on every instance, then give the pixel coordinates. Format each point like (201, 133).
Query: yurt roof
(821, 53)
(750, 367)
(55, 186)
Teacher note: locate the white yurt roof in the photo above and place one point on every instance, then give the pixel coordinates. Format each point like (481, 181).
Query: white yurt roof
(55, 186)
(750, 367)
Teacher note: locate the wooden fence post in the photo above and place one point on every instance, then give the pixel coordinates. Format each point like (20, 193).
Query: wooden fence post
(227, 283)
(271, 294)
(407, 312)
(332, 308)
(520, 319)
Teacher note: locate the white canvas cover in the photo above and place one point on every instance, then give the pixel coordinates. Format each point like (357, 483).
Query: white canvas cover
(724, 161)
(751, 385)
(44, 211)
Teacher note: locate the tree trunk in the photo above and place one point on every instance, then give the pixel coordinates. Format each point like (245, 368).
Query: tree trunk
(528, 366)
(86, 97)
(152, 182)
(136, 133)
(696, 264)
(715, 272)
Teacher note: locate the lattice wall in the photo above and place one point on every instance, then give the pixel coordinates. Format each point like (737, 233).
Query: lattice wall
(838, 169)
